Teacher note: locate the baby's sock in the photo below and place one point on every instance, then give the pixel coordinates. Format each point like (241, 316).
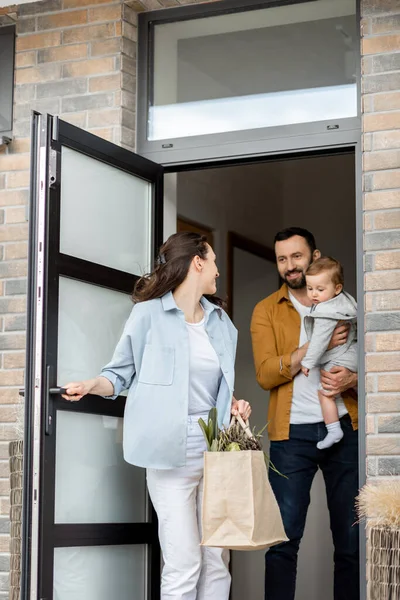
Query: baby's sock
(334, 436)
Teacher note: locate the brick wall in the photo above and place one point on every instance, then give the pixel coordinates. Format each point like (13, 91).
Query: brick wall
(77, 58)
(381, 184)
(68, 62)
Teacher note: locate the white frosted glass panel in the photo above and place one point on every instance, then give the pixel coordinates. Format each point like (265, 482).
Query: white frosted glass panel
(105, 214)
(252, 112)
(91, 320)
(270, 67)
(93, 482)
(100, 573)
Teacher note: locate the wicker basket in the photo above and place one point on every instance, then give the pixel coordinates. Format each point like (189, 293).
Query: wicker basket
(16, 480)
(384, 564)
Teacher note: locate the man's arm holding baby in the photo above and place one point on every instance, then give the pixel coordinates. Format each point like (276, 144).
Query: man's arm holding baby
(320, 340)
(338, 380)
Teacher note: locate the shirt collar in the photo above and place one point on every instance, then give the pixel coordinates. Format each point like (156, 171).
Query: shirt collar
(283, 294)
(168, 302)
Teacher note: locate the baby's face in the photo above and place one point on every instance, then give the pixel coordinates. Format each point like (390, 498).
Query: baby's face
(321, 288)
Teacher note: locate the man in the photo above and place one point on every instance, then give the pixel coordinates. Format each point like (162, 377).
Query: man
(296, 424)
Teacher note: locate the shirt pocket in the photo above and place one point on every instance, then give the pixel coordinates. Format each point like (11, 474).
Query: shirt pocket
(157, 365)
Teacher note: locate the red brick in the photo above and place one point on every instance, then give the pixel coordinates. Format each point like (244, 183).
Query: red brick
(383, 362)
(14, 233)
(386, 101)
(387, 260)
(387, 342)
(16, 251)
(45, 72)
(64, 53)
(383, 445)
(381, 121)
(387, 301)
(20, 145)
(16, 215)
(14, 162)
(369, 424)
(379, 200)
(14, 377)
(388, 383)
(387, 220)
(10, 396)
(386, 140)
(386, 24)
(62, 19)
(13, 360)
(8, 414)
(105, 13)
(85, 34)
(381, 403)
(386, 180)
(82, 3)
(19, 179)
(105, 83)
(38, 40)
(382, 281)
(25, 59)
(374, 161)
(103, 118)
(88, 67)
(111, 46)
(379, 44)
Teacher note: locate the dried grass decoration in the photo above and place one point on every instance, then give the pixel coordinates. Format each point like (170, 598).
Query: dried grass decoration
(379, 505)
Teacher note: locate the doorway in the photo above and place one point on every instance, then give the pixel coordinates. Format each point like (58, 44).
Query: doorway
(243, 206)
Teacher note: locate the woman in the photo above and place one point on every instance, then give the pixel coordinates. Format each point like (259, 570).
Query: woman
(176, 356)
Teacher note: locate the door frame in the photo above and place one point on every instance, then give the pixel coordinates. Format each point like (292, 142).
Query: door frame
(350, 142)
(235, 240)
(247, 142)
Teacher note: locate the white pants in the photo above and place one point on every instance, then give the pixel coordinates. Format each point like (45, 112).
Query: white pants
(191, 571)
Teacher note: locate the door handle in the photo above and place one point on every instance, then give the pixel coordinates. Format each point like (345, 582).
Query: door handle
(55, 390)
(58, 390)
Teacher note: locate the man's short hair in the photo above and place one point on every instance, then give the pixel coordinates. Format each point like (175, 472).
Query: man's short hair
(326, 264)
(286, 234)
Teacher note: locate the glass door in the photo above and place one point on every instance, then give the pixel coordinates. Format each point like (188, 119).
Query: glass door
(96, 221)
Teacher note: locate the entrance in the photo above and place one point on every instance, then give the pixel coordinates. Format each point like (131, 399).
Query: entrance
(96, 224)
(243, 206)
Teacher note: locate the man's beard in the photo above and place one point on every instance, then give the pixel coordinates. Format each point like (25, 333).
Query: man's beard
(295, 284)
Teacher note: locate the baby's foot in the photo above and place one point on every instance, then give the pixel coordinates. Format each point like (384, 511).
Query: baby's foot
(334, 436)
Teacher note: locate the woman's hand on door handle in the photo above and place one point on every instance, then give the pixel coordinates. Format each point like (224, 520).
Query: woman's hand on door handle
(99, 386)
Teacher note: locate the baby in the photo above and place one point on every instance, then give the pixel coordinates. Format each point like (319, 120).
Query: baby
(331, 304)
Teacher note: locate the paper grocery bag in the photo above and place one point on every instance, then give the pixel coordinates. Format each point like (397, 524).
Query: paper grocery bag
(240, 511)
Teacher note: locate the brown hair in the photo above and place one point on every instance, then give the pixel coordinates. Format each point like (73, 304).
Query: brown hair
(172, 266)
(326, 263)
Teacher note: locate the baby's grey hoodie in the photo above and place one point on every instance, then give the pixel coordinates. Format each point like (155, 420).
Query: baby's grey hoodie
(319, 326)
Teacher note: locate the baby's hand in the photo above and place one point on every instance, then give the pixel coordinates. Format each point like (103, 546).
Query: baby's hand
(305, 371)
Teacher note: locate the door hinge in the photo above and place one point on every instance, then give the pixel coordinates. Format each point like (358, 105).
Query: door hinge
(53, 168)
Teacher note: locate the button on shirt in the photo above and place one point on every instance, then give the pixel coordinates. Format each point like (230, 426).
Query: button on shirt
(151, 360)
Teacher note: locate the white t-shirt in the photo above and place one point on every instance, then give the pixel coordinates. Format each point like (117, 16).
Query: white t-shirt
(305, 404)
(204, 370)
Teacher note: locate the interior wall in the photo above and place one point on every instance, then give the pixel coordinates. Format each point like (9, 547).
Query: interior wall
(256, 201)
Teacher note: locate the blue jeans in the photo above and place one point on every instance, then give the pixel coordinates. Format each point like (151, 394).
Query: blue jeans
(299, 459)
